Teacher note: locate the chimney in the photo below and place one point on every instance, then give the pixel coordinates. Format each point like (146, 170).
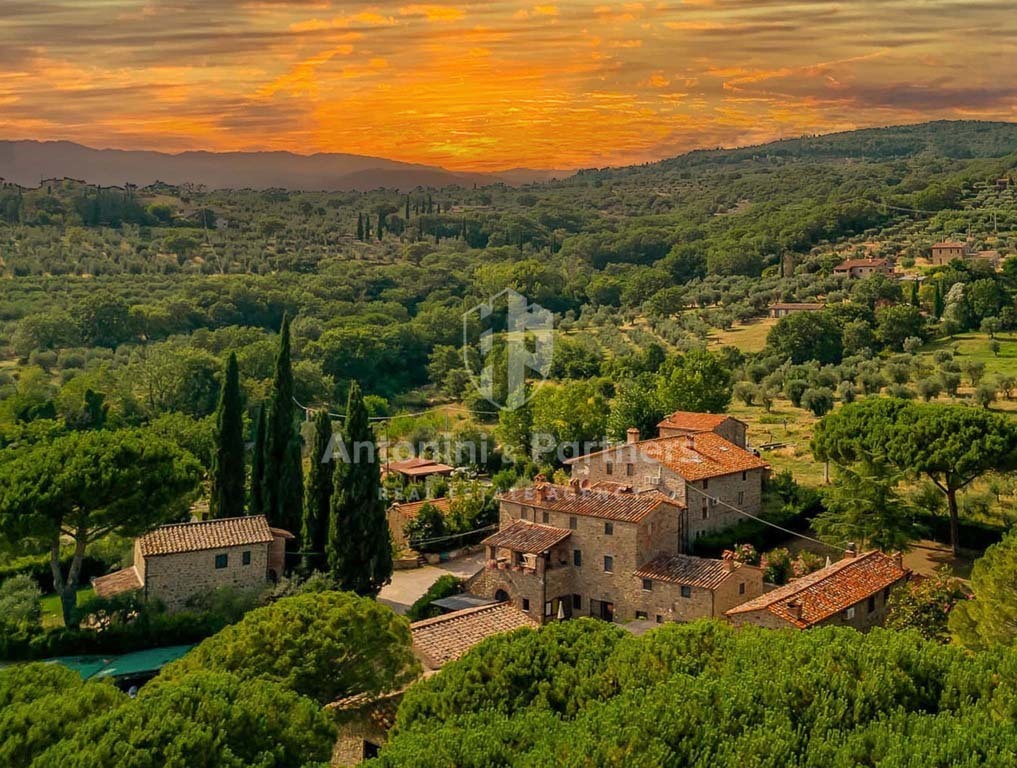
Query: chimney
(729, 560)
(795, 606)
(851, 550)
(574, 484)
(690, 442)
(541, 491)
(898, 558)
(632, 435)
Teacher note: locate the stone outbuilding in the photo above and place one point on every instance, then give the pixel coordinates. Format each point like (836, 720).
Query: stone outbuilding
(174, 563)
(852, 592)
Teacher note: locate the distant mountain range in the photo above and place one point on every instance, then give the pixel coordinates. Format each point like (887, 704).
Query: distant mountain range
(28, 162)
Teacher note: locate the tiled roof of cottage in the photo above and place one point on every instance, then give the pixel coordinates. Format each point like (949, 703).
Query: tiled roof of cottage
(117, 583)
(446, 638)
(411, 509)
(802, 305)
(623, 507)
(417, 467)
(829, 590)
(524, 536)
(703, 422)
(950, 244)
(693, 457)
(209, 534)
(685, 569)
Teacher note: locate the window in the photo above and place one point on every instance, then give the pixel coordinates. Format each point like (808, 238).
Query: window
(577, 558)
(221, 561)
(526, 603)
(706, 512)
(245, 558)
(706, 484)
(849, 613)
(641, 615)
(630, 469)
(577, 602)
(741, 497)
(686, 591)
(608, 564)
(648, 585)
(660, 619)
(872, 604)
(609, 467)
(572, 523)
(609, 529)
(745, 475)
(741, 588)
(545, 516)
(549, 608)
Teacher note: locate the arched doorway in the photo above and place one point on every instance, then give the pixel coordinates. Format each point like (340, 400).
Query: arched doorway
(501, 596)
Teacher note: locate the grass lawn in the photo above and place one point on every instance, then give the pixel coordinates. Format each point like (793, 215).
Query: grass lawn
(748, 338)
(52, 614)
(974, 347)
(783, 424)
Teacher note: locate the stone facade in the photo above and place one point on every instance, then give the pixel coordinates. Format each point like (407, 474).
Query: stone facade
(944, 253)
(177, 577)
(743, 490)
(672, 601)
(863, 615)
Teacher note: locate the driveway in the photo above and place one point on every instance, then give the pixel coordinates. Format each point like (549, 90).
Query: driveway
(408, 586)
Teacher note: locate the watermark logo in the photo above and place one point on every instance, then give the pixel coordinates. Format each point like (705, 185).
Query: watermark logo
(507, 340)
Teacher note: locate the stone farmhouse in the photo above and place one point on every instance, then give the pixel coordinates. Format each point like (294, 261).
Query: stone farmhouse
(944, 253)
(852, 592)
(565, 552)
(855, 268)
(173, 563)
(401, 513)
(713, 479)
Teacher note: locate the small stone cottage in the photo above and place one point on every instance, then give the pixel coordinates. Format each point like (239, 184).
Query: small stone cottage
(173, 563)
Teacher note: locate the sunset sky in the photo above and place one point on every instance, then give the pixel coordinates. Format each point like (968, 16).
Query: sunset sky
(493, 85)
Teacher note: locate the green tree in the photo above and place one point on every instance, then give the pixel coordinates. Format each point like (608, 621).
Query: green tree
(103, 320)
(635, 404)
(925, 604)
(318, 496)
(819, 400)
(803, 336)
(359, 545)
(951, 445)
(323, 645)
(863, 506)
(256, 502)
(896, 324)
(228, 475)
(83, 486)
(990, 619)
(699, 382)
(282, 481)
(204, 719)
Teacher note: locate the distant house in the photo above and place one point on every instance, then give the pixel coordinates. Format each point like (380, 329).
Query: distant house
(992, 258)
(785, 309)
(852, 592)
(175, 562)
(944, 253)
(855, 268)
(690, 423)
(401, 513)
(417, 468)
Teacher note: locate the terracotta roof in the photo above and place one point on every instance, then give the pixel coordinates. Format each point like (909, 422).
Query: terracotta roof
(623, 507)
(685, 569)
(417, 466)
(610, 486)
(117, 583)
(410, 509)
(524, 536)
(209, 534)
(446, 638)
(829, 590)
(949, 244)
(853, 263)
(709, 455)
(700, 422)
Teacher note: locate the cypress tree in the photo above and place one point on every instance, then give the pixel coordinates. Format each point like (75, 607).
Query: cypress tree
(359, 547)
(282, 481)
(381, 225)
(367, 227)
(360, 227)
(227, 497)
(937, 308)
(407, 208)
(318, 497)
(914, 293)
(257, 503)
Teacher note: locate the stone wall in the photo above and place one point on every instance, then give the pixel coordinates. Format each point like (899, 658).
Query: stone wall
(176, 577)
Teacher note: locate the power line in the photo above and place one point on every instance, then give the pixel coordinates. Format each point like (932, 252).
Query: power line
(716, 500)
(308, 409)
(416, 542)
